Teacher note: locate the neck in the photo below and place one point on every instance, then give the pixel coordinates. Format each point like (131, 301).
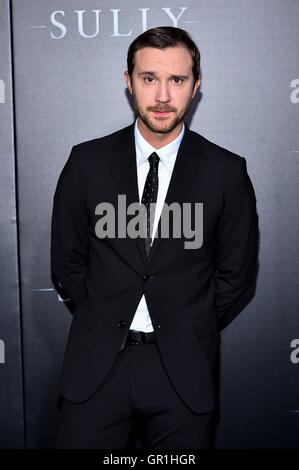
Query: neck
(156, 139)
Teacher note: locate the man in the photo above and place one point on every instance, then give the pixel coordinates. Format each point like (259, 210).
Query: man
(144, 341)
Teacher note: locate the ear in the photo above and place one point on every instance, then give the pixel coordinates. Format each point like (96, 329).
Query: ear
(196, 86)
(128, 81)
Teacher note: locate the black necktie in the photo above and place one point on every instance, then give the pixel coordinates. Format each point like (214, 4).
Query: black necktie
(150, 193)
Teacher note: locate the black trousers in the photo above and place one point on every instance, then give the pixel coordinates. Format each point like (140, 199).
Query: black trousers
(136, 402)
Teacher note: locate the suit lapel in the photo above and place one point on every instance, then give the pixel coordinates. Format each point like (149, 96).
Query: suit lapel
(125, 168)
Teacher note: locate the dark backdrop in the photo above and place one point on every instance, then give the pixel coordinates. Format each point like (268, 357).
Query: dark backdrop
(61, 82)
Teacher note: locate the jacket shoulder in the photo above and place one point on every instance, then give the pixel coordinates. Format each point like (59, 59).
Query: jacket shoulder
(214, 152)
(226, 166)
(84, 155)
(106, 140)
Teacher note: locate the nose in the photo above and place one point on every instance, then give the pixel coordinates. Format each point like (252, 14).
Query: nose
(163, 95)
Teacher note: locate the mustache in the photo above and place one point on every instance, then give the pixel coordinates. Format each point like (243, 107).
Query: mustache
(162, 109)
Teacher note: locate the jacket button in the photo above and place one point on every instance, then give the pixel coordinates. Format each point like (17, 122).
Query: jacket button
(147, 277)
(121, 323)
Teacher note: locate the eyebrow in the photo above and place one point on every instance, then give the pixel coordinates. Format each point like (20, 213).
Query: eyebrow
(155, 75)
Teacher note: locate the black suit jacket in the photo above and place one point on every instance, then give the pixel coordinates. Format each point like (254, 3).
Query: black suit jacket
(190, 293)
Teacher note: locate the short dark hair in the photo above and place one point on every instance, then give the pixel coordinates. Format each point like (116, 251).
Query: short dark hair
(162, 37)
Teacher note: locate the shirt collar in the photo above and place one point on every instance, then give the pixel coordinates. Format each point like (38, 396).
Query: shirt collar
(167, 153)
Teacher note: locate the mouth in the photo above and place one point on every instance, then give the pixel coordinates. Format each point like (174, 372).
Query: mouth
(162, 113)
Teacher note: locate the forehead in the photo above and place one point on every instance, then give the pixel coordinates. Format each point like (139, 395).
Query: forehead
(175, 60)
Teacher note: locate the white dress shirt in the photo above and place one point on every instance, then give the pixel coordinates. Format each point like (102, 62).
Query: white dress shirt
(167, 154)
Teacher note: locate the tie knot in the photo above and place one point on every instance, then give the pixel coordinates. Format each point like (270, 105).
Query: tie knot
(154, 161)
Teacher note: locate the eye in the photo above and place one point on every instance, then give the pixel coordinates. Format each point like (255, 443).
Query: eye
(178, 80)
(149, 79)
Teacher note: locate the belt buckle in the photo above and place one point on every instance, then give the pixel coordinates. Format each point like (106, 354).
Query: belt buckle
(142, 337)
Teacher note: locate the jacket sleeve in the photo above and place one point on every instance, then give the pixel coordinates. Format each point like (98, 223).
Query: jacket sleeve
(69, 232)
(237, 246)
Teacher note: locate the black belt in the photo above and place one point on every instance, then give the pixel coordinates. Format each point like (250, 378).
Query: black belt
(140, 337)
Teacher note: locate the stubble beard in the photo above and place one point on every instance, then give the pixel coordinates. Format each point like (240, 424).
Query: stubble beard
(162, 125)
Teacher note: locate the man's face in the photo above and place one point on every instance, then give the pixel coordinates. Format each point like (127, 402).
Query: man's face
(162, 85)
